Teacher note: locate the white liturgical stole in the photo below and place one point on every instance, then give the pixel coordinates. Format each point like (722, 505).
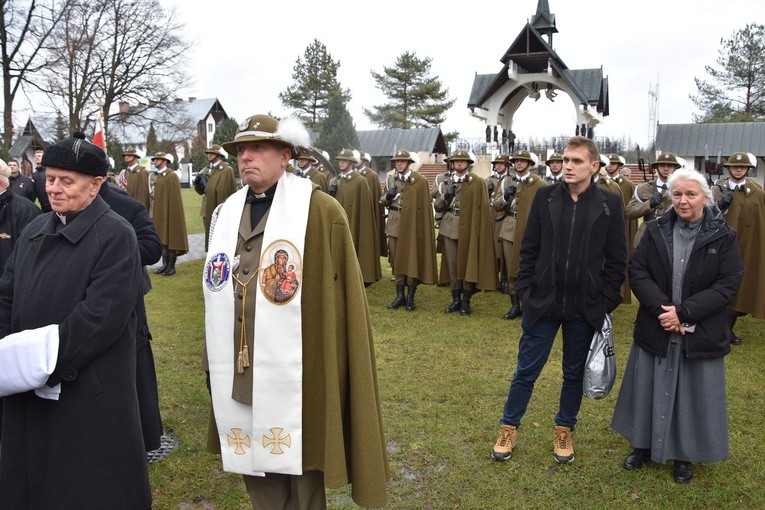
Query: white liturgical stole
(267, 436)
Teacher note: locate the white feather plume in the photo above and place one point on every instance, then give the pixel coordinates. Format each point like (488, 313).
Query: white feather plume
(292, 131)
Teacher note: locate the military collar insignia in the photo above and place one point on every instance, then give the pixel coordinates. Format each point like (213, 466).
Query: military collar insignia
(407, 177)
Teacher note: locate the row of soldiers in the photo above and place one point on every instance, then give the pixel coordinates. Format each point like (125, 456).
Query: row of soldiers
(481, 222)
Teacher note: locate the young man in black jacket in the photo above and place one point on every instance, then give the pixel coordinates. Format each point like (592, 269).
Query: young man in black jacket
(572, 262)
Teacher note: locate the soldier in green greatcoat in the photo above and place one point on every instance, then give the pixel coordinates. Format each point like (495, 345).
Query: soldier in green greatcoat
(167, 214)
(216, 182)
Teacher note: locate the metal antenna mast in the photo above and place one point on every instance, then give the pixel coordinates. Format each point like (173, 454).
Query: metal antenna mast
(653, 111)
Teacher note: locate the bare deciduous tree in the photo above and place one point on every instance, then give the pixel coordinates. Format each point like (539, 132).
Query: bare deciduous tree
(24, 29)
(113, 51)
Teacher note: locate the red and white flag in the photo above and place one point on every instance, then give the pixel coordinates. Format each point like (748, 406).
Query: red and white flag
(98, 137)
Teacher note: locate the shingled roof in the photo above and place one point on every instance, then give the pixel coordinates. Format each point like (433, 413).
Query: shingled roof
(36, 135)
(530, 52)
(385, 142)
(725, 137)
(171, 120)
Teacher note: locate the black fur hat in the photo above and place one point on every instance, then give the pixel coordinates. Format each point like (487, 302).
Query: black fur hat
(76, 154)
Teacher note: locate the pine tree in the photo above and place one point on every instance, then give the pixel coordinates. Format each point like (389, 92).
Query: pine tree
(225, 132)
(152, 143)
(198, 156)
(416, 99)
(315, 83)
(736, 91)
(60, 128)
(337, 131)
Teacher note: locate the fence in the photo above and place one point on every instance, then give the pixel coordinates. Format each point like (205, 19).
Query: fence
(479, 146)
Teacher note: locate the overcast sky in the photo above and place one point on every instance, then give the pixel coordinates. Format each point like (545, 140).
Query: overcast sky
(245, 51)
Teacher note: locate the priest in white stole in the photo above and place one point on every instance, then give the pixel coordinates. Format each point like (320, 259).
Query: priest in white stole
(289, 348)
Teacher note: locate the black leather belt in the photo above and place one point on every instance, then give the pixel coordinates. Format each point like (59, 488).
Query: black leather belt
(497, 220)
(394, 208)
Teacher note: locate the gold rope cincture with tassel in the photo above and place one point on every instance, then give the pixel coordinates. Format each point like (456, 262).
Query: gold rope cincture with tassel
(243, 359)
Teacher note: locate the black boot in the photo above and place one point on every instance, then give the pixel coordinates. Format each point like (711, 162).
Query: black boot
(170, 269)
(503, 286)
(455, 304)
(400, 299)
(515, 309)
(734, 340)
(164, 263)
(682, 472)
(465, 305)
(410, 298)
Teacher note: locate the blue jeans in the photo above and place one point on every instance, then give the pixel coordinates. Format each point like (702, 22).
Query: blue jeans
(533, 352)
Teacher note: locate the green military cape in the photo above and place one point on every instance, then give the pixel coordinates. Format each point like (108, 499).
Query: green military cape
(138, 185)
(524, 198)
(746, 214)
(416, 249)
(343, 432)
(627, 189)
(167, 213)
(221, 184)
(355, 197)
(475, 248)
(318, 178)
(379, 211)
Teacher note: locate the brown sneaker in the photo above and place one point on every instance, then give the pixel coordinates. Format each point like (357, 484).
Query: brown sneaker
(563, 445)
(503, 448)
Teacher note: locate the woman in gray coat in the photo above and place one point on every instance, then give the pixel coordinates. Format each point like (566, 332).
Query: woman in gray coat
(685, 272)
(72, 438)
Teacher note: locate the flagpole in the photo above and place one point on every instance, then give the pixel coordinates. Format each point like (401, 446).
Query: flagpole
(99, 137)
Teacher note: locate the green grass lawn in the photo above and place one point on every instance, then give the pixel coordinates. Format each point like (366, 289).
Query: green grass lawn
(192, 202)
(443, 382)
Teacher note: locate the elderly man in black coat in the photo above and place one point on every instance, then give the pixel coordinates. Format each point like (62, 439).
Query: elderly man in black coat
(72, 435)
